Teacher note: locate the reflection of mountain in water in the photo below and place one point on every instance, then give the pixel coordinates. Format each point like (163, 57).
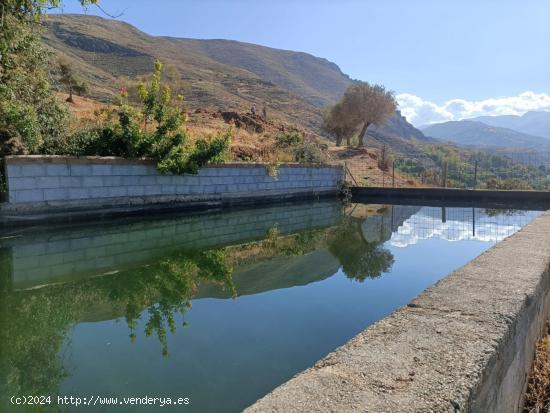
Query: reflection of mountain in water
(458, 224)
(278, 272)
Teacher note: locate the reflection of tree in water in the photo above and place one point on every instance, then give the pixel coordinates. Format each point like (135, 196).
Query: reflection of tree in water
(360, 259)
(172, 283)
(34, 324)
(491, 212)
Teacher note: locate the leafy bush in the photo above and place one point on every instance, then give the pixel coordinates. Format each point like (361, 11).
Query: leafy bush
(289, 139)
(308, 153)
(153, 131)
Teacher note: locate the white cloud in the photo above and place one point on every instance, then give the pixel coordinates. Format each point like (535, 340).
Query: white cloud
(421, 112)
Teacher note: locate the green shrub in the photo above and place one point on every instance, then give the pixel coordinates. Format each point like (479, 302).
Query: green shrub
(153, 131)
(289, 139)
(308, 153)
(22, 119)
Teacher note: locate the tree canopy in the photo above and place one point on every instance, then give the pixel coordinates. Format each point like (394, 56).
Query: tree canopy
(28, 109)
(367, 105)
(362, 105)
(337, 122)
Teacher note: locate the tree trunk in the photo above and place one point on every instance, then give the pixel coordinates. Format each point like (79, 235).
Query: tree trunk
(70, 98)
(362, 135)
(348, 140)
(338, 141)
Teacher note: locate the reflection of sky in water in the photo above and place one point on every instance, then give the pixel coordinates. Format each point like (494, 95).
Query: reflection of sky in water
(462, 224)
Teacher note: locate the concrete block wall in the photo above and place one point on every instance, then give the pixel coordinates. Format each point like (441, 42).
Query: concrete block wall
(55, 179)
(80, 251)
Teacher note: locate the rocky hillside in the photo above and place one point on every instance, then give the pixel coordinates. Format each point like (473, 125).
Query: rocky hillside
(218, 74)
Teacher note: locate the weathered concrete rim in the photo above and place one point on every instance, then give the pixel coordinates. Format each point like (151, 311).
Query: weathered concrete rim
(113, 160)
(375, 193)
(465, 344)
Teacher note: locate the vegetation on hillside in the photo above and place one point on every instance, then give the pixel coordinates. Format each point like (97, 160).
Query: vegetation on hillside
(468, 168)
(153, 130)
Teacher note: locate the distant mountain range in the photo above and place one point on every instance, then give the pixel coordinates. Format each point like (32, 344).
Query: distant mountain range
(475, 133)
(532, 123)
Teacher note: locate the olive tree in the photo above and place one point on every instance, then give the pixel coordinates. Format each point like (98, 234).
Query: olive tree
(368, 105)
(71, 80)
(338, 123)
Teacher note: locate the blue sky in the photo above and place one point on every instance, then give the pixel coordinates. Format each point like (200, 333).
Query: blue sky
(433, 50)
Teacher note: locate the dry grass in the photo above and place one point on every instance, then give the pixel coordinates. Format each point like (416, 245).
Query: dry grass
(363, 164)
(537, 398)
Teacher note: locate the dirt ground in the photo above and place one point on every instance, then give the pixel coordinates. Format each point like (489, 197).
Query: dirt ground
(364, 170)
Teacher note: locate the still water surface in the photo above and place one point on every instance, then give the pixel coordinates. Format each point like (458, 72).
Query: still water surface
(218, 308)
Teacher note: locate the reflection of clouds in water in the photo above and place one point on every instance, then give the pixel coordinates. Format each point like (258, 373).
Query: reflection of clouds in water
(427, 224)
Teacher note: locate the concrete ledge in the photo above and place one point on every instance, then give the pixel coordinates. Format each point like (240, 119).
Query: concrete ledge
(464, 345)
(113, 160)
(377, 194)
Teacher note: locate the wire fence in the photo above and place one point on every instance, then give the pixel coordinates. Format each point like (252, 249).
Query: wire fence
(507, 170)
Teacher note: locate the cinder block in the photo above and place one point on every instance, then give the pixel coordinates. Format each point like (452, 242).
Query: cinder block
(102, 169)
(14, 171)
(58, 170)
(78, 193)
(113, 180)
(33, 170)
(99, 192)
(117, 191)
(122, 170)
(136, 190)
(143, 170)
(92, 181)
(70, 181)
(81, 170)
(47, 182)
(56, 194)
(147, 180)
(21, 183)
(168, 189)
(27, 195)
(182, 189)
(152, 190)
(163, 179)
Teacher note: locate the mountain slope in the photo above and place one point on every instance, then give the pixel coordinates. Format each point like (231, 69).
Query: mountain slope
(478, 134)
(219, 74)
(532, 123)
(317, 80)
